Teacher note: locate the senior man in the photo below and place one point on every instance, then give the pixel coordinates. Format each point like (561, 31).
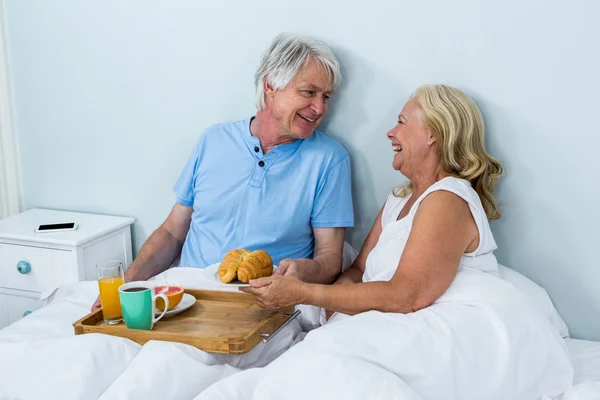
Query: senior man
(270, 182)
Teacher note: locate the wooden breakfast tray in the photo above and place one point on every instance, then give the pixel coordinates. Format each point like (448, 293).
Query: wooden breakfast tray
(219, 322)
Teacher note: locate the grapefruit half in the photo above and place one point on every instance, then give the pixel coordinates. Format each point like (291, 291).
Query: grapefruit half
(173, 293)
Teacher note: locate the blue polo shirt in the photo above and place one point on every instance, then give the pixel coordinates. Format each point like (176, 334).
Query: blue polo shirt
(243, 198)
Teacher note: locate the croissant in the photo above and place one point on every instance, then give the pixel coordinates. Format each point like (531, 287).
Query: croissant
(229, 266)
(255, 265)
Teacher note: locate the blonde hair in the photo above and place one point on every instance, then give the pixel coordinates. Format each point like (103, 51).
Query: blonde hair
(457, 124)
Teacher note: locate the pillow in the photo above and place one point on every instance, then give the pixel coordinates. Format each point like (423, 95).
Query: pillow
(538, 295)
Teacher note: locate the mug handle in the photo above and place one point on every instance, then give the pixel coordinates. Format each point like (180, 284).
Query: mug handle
(155, 320)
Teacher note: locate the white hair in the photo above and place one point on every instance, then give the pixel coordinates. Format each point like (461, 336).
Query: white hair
(284, 58)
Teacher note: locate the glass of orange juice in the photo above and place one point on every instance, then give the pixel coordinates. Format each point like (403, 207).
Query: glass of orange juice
(110, 277)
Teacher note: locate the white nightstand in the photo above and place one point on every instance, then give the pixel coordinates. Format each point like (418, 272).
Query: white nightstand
(31, 263)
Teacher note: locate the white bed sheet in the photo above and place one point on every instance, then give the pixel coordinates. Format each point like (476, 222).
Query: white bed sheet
(43, 332)
(42, 349)
(585, 356)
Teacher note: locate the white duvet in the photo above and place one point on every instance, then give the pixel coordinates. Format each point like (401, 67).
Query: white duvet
(482, 340)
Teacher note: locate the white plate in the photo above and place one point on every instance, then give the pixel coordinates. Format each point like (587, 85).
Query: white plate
(186, 302)
(211, 273)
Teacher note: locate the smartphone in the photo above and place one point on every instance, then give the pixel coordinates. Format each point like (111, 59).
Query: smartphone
(61, 227)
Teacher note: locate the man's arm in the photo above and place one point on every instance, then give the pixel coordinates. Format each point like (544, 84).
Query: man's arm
(326, 264)
(333, 203)
(354, 273)
(161, 248)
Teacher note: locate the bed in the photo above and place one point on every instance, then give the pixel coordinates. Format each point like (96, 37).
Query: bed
(41, 358)
(585, 356)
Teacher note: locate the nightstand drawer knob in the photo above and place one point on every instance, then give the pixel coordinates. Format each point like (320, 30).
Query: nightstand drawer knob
(23, 267)
(26, 313)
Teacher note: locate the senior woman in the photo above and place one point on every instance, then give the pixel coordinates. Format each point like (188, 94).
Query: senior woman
(427, 229)
(422, 313)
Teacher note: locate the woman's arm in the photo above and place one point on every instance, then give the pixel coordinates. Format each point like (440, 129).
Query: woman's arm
(443, 230)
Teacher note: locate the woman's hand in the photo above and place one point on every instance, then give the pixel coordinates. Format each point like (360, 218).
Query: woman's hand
(276, 291)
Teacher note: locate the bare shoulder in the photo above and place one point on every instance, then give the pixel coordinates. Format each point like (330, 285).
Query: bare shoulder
(443, 205)
(446, 215)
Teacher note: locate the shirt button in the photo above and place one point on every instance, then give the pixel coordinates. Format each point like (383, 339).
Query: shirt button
(256, 149)
(261, 163)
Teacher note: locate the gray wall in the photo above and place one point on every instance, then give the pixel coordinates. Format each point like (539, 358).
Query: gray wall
(111, 96)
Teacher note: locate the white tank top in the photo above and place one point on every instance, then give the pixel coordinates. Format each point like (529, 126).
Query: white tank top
(383, 260)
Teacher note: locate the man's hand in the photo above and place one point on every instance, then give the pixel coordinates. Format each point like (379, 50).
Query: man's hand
(300, 268)
(96, 304)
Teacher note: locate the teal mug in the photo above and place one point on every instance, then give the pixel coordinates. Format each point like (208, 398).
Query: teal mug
(138, 303)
